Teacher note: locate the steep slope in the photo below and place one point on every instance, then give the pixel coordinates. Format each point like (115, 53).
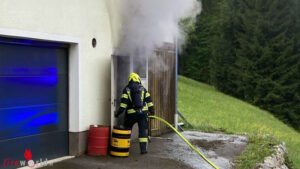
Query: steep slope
(206, 108)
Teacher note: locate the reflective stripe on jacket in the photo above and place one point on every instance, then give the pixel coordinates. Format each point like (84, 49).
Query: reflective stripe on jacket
(127, 104)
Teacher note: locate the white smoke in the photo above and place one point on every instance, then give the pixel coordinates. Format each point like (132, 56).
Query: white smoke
(148, 24)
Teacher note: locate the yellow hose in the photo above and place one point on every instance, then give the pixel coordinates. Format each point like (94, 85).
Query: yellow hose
(183, 138)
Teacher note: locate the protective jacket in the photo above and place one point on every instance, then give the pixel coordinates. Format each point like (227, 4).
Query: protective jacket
(132, 104)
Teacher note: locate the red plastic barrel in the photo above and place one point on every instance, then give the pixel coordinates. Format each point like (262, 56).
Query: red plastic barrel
(98, 140)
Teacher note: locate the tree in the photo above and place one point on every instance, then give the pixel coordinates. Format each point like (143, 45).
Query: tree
(267, 56)
(197, 52)
(249, 49)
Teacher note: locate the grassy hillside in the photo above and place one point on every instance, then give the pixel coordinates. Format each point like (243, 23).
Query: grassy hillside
(206, 108)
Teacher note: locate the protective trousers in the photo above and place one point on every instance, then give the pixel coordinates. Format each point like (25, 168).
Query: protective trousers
(141, 119)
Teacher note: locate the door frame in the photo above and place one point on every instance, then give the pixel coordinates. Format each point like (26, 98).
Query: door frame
(145, 83)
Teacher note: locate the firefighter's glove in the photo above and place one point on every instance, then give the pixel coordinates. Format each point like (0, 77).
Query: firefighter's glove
(117, 115)
(140, 112)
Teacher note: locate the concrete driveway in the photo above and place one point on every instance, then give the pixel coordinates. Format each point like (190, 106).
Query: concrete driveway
(168, 152)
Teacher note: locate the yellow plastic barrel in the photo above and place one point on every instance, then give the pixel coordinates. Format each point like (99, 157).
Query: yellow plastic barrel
(120, 142)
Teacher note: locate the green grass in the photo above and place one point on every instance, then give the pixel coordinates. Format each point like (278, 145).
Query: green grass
(259, 147)
(210, 110)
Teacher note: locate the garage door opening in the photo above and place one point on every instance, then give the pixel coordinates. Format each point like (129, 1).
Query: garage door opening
(33, 99)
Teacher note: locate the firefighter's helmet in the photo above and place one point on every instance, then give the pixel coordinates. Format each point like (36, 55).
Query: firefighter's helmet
(134, 77)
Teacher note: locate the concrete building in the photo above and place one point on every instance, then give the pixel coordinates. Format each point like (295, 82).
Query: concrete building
(55, 74)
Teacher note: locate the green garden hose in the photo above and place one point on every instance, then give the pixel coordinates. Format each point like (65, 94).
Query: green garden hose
(183, 138)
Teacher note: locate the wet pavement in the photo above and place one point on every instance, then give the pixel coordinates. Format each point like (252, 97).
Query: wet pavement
(168, 152)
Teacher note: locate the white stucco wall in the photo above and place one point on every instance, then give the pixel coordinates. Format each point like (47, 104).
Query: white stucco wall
(115, 12)
(81, 19)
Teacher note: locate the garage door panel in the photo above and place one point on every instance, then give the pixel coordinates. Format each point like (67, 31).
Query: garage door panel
(33, 99)
(32, 91)
(61, 62)
(55, 147)
(62, 90)
(32, 61)
(27, 120)
(20, 91)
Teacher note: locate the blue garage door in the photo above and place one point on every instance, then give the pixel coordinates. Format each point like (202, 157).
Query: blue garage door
(33, 100)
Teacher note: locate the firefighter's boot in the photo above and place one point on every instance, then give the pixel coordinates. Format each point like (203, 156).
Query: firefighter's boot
(143, 147)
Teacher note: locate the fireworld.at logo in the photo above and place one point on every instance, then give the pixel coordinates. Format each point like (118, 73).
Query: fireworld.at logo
(22, 163)
(28, 156)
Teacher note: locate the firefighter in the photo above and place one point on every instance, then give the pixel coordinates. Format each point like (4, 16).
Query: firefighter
(137, 104)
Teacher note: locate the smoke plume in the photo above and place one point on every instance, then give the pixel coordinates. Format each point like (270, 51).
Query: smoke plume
(148, 24)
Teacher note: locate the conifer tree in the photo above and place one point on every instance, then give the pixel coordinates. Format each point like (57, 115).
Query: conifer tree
(266, 65)
(249, 49)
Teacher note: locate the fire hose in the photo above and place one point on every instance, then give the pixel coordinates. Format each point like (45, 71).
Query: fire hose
(184, 139)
